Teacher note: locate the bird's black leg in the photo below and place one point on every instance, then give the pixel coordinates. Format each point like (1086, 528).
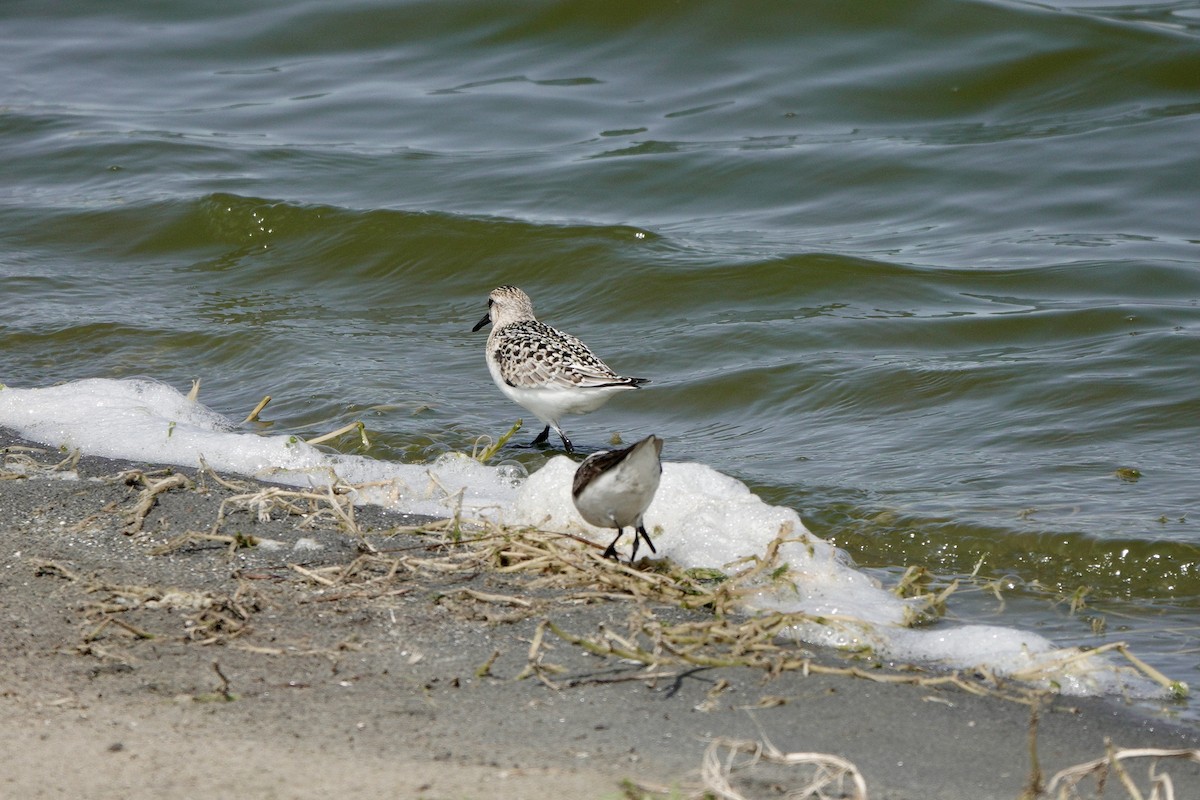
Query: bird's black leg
(639, 533)
(611, 552)
(641, 529)
(541, 437)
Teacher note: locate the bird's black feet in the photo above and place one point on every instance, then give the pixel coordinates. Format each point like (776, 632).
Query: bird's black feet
(639, 533)
(542, 437)
(611, 552)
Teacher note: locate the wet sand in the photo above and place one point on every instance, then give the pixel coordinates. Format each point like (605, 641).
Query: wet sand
(209, 673)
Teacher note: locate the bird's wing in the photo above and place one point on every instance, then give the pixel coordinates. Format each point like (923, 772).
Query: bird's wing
(533, 354)
(595, 464)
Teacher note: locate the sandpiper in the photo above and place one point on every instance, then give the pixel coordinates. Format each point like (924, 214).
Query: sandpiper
(549, 372)
(613, 489)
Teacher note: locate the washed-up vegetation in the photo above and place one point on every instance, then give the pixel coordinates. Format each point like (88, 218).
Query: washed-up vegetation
(677, 619)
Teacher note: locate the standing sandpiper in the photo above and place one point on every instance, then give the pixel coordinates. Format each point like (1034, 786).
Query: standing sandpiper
(613, 489)
(549, 372)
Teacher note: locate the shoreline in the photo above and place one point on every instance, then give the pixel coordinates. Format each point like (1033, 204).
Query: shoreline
(166, 662)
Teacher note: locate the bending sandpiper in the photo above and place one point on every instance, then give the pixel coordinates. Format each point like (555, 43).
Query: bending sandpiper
(549, 372)
(613, 489)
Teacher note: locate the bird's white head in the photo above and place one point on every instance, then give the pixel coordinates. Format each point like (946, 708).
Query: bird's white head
(506, 305)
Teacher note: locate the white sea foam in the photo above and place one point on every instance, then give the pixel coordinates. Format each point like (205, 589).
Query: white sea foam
(145, 420)
(699, 518)
(702, 518)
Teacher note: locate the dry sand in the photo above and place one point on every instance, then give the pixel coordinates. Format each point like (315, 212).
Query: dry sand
(201, 673)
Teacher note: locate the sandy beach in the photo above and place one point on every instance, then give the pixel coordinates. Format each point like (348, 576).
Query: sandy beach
(151, 652)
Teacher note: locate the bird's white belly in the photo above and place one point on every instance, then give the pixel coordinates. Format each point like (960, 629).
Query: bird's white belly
(551, 403)
(618, 498)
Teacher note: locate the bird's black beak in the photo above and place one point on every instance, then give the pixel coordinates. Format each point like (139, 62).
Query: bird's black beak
(486, 319)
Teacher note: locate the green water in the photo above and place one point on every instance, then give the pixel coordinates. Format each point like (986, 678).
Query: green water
(928, 272)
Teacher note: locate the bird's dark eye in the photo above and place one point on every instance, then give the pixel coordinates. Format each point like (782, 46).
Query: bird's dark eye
(491, 302)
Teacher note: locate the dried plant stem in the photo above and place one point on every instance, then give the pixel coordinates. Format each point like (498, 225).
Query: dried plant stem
(1063, 784)
(485, 455)
(253, 415)
(715, 772)
(192, 537)
(312, 576)
(496, 598)
(358, 426)
(136, 517)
